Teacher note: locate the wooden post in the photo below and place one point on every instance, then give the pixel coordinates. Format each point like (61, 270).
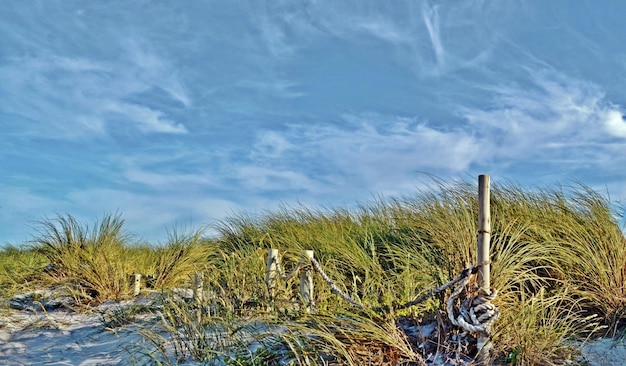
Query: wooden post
(306, 283)
(198, 287)
(484, 236)
(136, 284)
(271, 272)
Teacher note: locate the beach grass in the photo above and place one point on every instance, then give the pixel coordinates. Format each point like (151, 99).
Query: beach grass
(558, 263)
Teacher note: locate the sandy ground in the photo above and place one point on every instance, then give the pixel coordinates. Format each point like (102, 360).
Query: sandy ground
(62, 337)
(65, 338)
(606, 352)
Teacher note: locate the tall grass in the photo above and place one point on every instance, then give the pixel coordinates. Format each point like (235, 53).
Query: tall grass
(92, 263)
(177, 260)
(20, 269)
(347, 339)
(193, 335)
(541, 329)
(95, 264)
(559, 264)
(557, 250)
(592, 255)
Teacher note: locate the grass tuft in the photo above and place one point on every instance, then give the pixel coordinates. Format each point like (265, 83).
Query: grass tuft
(91, 263)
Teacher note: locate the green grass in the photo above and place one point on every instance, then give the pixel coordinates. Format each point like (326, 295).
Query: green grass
(95, 264)
(92, 264)
(19, 269)
(559, 264)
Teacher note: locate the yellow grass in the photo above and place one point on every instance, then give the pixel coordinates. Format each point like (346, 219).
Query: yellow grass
(559, 264)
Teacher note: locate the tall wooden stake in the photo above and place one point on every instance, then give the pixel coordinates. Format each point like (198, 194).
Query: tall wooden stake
(484, 236)
(484, 232)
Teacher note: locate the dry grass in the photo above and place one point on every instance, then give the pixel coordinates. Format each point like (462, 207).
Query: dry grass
(91, 263)
(95, 264)
(542, 329)
(559, 264)
(19, 269)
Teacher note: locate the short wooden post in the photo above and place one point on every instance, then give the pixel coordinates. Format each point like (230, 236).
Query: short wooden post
(306, 282)
(271, 272)
(484, 236)
(198, 287)
(136, 284)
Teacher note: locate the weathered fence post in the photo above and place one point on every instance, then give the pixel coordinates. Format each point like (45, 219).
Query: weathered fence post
(306, 282)
(484, 236)
(136, 284)
(198, 287)
(271, 272)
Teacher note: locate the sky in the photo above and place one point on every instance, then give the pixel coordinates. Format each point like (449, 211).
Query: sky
(188, 112)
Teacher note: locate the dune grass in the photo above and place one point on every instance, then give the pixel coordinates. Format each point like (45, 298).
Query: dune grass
(95, 265)
(559, 264)
(19, 269)
(91, 263)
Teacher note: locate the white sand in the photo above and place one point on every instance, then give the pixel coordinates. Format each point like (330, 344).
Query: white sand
(62, 337)
(606, 352)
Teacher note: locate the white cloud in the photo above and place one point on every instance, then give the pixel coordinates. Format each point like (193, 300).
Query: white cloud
(93, 124)
(151, 69)
(615, 124)
(167, 180)
(383, 29)
(391, 142)
(431, 20)
(255, 178)
(277, 88)
(374, 153)
(555, 119)
(149, 120)
(275, 38)
(271, 145)
(167, 169)
(69, 96)
(431, 40)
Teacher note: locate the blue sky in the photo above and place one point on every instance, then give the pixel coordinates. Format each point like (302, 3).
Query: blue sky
(187, 112)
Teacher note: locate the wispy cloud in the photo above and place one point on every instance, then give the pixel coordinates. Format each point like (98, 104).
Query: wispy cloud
(151, 69)
(560, 123)
(431, 20)
(383, 29)
(200, 108)
(384, 154)
(271, 145)
(379, 140)
(272, 88)
(149, 120)
(167, 169)
(430, 39)
(268, 179)
(72, 97)
(372, 153)
(167, 181)
(614, 123)
(554, 120)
